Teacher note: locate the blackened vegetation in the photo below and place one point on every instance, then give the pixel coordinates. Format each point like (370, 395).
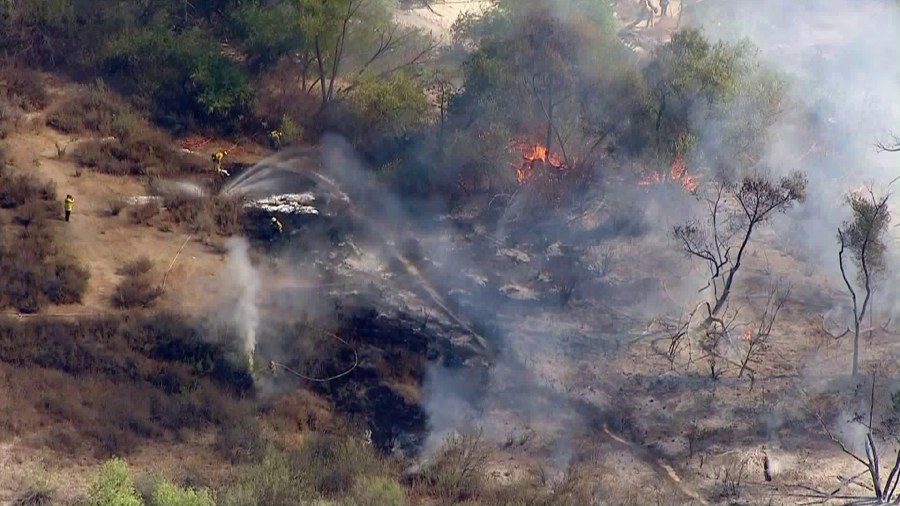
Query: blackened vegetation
(394, 352)
(113, 382)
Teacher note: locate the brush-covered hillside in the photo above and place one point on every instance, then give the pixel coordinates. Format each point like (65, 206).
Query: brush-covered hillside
(435, 252)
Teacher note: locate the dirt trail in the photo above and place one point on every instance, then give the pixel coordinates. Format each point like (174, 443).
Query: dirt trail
(103, 242)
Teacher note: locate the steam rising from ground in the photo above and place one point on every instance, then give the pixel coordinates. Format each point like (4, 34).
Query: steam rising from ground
(244, 283)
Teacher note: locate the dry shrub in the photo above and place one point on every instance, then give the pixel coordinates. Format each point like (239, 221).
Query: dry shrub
(143, 213)
(135, 291)
(301, 411)
(115, 206)
(208, 215)
(131, 146)
(457, 471)
(331, 465)
(113, 387)
(241, 440)
(28, 256)
(36, 493)
(10, 118)
(67, 282)
(278, 97)
(18, 189)
(94, 110)
(23, 87)
(137, 267)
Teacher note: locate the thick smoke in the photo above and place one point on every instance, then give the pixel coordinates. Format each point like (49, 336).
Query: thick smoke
(842, 62)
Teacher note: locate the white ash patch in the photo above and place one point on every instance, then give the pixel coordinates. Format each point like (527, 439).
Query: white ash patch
(139, 200)
(477, 278)
(555, 250)
(515, 254)
(288, 203)
(518, 292)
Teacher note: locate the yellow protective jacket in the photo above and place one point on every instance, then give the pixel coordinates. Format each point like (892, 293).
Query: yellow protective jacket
(70, 204)
(218, 156)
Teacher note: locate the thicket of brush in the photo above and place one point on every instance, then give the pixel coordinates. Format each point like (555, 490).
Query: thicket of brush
(35, 268)
(109, 383)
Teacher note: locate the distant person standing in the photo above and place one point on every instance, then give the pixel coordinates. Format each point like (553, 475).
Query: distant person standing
(649, 12)
(70, 205)
(275, 139)
(664, 7)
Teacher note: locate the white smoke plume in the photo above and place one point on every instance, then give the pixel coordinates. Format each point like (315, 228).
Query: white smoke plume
(244, 282)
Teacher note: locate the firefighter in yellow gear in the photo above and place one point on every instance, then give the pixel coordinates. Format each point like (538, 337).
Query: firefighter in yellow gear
(70, 205)
(279, 229)
(217, 158)
(275, 139)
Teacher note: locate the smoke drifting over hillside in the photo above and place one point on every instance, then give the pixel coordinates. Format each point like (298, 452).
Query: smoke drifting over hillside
(842, 61)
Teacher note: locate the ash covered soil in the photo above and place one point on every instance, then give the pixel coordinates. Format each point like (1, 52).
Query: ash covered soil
(549, 336)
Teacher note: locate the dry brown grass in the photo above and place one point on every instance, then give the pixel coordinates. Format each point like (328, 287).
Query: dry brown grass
(22, 87)
(30, 260)
(142, 214)
(129, 145)
(208, 215)
(110, 384)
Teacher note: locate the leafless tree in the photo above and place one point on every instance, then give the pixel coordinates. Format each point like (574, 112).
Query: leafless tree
(885, 491)
(890, 146)
(757, 340)
(735, 211)
(862, 238)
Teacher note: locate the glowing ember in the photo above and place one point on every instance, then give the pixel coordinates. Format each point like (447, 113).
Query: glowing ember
(532, 153)
(677, 172)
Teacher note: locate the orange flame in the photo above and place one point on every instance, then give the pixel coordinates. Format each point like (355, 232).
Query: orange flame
(677, 172)
(532, 153)
(748, 335)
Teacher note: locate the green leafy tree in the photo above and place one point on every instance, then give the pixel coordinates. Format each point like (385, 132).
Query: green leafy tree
(266, 33)
(387, 106)
(220, 87)
(113, 487)
(862, 239)
(168, 494)
(715, 101)
(348, 39)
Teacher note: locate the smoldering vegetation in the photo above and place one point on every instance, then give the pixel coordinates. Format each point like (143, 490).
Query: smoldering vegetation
(500, 281)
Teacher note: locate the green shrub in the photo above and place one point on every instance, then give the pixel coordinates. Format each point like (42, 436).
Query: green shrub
(331, 465)
(114, 487)
(290, 129)
(272, 481)
(168, 494)
(378, 491)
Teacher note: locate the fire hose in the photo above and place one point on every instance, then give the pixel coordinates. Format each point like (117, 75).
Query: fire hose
(273, 365)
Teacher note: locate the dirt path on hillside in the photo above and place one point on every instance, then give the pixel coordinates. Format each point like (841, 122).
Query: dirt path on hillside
(104, 242)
